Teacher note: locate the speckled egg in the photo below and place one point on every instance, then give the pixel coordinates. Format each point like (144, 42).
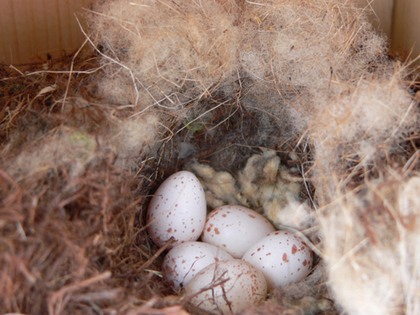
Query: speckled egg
(227, 287)
(235, 228)
(185, 260)
(177, 209)
(282, 256)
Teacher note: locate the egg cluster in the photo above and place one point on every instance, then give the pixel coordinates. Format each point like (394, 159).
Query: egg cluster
(241, 255)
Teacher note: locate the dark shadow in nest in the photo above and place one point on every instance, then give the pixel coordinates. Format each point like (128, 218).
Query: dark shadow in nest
(224, 130)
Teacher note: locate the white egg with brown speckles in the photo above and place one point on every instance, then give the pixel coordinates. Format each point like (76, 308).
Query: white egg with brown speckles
(283, 258)
(235, 228)
(227, 287)
(177, 209)
(185, 260)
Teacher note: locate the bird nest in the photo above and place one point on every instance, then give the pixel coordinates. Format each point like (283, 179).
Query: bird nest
(292, 108)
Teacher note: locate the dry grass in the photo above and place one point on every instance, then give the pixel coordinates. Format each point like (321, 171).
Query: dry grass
(72, 240)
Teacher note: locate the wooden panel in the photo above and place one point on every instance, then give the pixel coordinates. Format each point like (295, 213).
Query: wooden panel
(32, 30)
(406, 28)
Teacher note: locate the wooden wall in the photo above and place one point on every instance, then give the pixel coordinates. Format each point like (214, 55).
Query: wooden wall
(34, 30)
(406, 28)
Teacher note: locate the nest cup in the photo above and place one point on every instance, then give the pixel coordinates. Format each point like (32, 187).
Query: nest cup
(289, 107)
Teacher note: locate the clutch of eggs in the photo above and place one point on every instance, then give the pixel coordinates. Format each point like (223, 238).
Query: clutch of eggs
(270, 258)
